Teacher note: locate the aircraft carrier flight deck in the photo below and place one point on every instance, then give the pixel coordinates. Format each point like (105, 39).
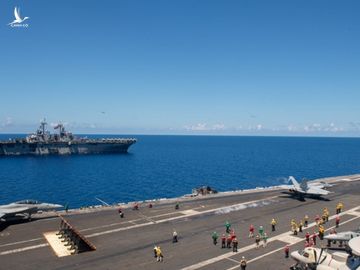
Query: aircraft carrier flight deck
(128, 243)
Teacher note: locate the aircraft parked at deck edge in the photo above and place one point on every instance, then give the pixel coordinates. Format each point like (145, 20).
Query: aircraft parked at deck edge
(24, 209)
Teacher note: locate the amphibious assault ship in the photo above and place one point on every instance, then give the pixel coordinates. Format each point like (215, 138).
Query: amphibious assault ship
(63, 143)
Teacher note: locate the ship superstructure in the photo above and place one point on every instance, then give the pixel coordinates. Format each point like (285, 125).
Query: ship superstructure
(42, 142)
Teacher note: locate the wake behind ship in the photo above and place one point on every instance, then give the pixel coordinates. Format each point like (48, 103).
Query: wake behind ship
(63, 143)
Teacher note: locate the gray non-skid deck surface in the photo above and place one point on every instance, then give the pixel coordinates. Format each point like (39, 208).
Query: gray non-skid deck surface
(128, 243)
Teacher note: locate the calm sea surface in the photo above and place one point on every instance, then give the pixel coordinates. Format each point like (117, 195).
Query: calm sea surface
(170, 166)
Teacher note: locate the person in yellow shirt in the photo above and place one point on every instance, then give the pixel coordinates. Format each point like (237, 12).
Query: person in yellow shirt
(341, 206)
(273, 224)
(159, 254)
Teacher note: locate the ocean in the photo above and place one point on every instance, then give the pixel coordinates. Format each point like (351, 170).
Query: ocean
(171, 166)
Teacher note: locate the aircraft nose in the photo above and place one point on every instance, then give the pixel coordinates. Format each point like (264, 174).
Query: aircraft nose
(56, 205)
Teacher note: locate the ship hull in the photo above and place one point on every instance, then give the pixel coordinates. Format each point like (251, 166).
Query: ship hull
(63, 148)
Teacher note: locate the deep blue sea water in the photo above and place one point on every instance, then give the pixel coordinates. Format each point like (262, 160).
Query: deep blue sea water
(170, 166)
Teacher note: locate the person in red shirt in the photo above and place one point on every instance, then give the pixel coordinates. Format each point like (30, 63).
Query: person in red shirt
(287, 250)
(313, 237)
(228, 241)
(337, 221)
(223, 241)
(251, 231)
(317, 219)
(233, 235)
(307, 236)
(311, 243)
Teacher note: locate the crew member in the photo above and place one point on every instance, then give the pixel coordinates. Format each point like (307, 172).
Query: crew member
(307, 236)
(306, 220)
(121, 213)
(175, 237)
(341, 206)
(261, 230)
(294, 228)
(227, 226)
(321, 232)
(160, 256)
(300, 226)
(214, 237)
(257, 241)
(311, 243)
(243, 263)
(223, 241)
(337, 221)
(327, 214)
(177, 206)
(313, 237)
(155, 251)
(235, 244)
(251, 231)
(273, 224)
(228, 241)
(264, 238)
(287, 250)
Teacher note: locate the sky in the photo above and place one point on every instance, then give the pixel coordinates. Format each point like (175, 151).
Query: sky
(224, 67)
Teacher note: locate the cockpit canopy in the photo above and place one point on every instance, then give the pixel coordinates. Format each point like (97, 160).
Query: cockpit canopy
(28, 202)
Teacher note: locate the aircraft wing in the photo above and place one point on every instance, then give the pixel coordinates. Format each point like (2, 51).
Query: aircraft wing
(4, 212)
(317, 190)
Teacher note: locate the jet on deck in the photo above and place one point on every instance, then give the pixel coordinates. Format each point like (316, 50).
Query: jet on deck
(24, 209)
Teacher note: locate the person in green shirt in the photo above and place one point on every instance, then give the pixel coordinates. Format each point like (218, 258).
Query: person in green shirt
(227, 226)
(215, 237)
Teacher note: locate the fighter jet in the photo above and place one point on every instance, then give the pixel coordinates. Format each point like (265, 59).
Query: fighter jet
(24, 209)
(306, 190)
(341, 237)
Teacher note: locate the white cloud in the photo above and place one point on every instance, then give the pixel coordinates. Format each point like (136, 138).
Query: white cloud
(206, 127)
(218, 127)
(8, 122)
(197, 127)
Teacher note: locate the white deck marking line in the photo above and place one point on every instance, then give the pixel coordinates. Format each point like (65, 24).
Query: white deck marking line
(146, 217)
(354, 213)
(277, 237)
(22, 249)
(289, 239)
(190, 211)
(232, 260)
(21, 242)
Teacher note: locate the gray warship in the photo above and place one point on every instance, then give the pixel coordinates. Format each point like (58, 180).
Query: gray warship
(62, 143)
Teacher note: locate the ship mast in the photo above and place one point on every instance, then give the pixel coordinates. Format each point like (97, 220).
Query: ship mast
(43, 126)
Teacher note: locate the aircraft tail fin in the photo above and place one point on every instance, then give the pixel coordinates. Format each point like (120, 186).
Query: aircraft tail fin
(294, 182)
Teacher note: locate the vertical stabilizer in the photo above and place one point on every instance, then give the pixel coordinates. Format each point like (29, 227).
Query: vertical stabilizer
(294, 182)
